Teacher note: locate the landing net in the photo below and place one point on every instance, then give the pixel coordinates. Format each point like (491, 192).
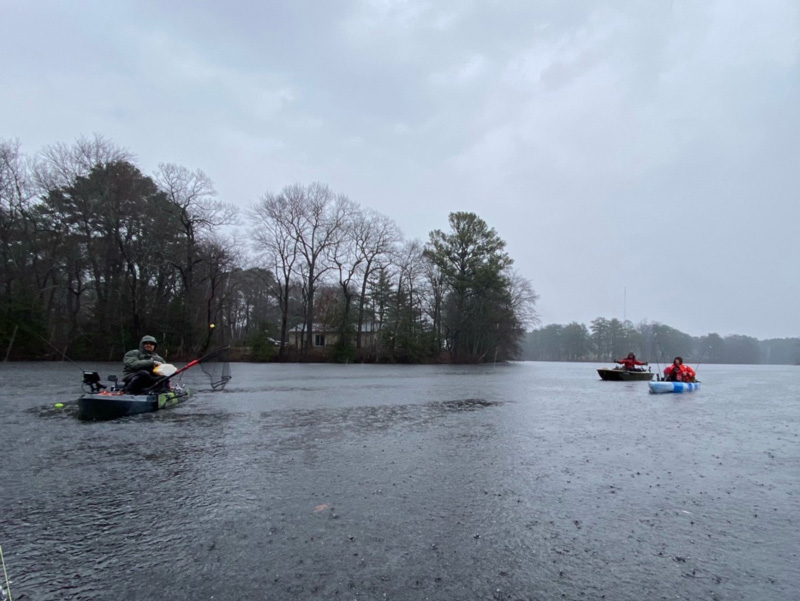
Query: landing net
(218, 370)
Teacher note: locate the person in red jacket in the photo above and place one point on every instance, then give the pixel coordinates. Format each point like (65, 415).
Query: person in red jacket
(630, 362)
(678, 372)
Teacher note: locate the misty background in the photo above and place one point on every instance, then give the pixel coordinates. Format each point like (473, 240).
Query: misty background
(640, 159)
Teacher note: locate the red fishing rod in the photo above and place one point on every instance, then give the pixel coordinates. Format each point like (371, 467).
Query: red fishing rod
(189, 365)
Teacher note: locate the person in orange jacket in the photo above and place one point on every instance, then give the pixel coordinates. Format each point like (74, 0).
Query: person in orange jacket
(678, 372)
(630, 362)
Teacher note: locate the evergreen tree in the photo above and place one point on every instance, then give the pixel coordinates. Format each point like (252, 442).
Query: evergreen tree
(478, 317)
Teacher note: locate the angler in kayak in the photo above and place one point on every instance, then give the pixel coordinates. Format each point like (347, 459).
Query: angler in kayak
(139, 365)
(149, 377)
(678, 372)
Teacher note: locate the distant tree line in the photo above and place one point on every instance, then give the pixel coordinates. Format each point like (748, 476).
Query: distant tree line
(606, 340)
(94, 254)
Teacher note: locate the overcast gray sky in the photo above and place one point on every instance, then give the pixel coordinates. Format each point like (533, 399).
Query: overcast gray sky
(648, 147)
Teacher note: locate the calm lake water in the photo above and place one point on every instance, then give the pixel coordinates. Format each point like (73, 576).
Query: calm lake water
(528, 481)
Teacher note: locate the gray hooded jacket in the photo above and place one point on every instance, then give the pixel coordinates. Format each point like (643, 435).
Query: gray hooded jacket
(139, 359)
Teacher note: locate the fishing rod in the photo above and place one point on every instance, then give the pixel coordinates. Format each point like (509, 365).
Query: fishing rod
(658, 364)
(5, 573)
(189, 365)
(706, 352)
(700, 361)
(51, 345)
(90, 378)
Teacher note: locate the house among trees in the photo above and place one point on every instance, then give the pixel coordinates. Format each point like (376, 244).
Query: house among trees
(327, 336)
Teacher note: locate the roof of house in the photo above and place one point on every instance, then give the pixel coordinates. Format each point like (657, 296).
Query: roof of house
(321, 328)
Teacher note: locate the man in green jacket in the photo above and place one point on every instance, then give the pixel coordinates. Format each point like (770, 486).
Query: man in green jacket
(139, 364)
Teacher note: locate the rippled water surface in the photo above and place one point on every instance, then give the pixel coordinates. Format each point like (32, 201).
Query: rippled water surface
(529, 481)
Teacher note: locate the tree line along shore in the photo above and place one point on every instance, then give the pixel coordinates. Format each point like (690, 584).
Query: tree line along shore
(94, 253)
(610, 339)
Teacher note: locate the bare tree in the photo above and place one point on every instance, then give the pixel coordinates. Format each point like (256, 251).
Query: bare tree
(347, 262)
(220, 256)
(16, 190)
(17, 231)
(16, 195)
(374, 236)
(274, 240)
(318, 221)
(59, 164)
(193, 201)
(404, 334)
(251, 303)
(437, 289)
(523, 300)
(301, 226)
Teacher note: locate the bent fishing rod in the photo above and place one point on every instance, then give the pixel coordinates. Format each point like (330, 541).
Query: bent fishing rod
(52, 346)
(5, 574)
(209, 356)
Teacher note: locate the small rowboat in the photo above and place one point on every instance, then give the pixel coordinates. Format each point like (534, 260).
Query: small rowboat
(113, 404)
(663, 387)
(618, 374)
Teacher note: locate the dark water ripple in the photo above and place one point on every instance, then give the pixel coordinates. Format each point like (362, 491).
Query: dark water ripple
(528, 481)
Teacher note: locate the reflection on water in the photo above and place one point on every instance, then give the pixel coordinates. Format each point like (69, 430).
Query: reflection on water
(522, 481)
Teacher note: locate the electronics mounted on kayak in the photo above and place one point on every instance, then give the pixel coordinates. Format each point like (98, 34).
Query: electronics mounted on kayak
(92, 380)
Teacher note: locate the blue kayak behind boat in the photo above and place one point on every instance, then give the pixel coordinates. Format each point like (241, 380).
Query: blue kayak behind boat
(664, 387)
